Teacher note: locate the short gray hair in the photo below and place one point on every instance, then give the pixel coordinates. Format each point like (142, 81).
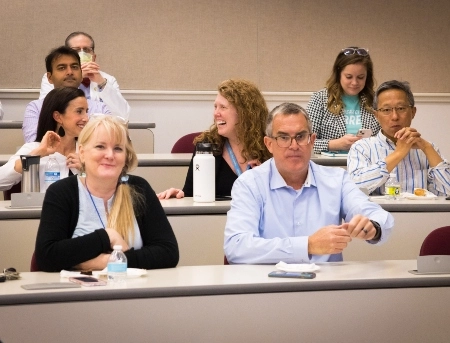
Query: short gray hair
(394, 84)
(286, 108)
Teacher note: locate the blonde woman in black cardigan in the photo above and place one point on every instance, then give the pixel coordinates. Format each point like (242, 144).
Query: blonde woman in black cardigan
(84, 216)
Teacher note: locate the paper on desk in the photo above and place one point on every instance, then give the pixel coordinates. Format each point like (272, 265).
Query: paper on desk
(302, 267)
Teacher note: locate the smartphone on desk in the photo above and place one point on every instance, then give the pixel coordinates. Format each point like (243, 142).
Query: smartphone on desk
(295, 275)
(364, 133)
(223, 197)
(87, 281)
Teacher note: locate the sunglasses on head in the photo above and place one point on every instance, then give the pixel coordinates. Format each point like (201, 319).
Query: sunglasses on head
(352, 51)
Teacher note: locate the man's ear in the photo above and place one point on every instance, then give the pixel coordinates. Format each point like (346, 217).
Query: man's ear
(49, 77)
(413, 109)
(268, 142)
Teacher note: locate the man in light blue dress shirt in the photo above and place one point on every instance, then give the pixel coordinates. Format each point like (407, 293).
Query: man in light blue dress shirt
(293, 210)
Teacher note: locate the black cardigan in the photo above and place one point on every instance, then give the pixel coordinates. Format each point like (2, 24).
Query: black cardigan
(57, 250)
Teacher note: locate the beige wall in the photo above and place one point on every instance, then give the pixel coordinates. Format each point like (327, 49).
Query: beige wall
(284, 45)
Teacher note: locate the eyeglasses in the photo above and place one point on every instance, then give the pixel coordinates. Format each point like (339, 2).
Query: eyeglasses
(87, 49)
(352, 51)
(400, 110)
(285, 141)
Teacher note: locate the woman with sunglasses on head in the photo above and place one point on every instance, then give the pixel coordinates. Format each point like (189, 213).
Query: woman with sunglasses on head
(344, 106)
(63, 116)
(84, 216)
(240, 114)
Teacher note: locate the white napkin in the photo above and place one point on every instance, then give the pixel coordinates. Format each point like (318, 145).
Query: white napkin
(302, 267)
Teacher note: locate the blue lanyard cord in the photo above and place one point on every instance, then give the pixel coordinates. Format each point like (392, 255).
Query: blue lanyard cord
(95, 206)
(236, 165)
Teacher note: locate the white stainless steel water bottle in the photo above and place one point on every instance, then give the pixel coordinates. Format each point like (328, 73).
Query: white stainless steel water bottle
(204, 173)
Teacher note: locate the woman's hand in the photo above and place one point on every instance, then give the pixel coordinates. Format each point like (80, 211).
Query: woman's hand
(343, 143)
(116, 239)
(171, 193)
(49, 143)
(73, 161)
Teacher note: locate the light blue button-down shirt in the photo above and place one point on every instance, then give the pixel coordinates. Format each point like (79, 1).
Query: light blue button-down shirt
(270, 221)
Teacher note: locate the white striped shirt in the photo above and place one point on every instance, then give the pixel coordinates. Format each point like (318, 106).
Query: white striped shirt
(366, 164)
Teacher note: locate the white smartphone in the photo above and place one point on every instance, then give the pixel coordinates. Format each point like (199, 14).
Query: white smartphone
(87, 281)
(364, 133)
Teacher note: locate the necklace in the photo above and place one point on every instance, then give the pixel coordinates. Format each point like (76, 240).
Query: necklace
(92, 199)
(236, 165)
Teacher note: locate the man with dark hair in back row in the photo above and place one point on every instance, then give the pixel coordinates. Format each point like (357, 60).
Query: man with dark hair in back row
(96, 84)
(63, 70)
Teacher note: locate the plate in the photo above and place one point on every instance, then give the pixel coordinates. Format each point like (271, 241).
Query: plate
(427, 196)
(301, 267)
(131, 273)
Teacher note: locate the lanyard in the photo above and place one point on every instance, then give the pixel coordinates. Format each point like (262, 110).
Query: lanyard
(95, 207)
(237, 168)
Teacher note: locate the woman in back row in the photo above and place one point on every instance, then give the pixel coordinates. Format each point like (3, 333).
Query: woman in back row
(342, 108)
(240, 115)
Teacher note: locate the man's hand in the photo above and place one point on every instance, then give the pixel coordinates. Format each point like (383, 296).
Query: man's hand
(331, 239)
(92, 71)
(406, 139)
(360, 227)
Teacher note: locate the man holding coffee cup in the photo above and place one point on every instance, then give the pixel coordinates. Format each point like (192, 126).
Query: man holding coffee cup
(96, 84)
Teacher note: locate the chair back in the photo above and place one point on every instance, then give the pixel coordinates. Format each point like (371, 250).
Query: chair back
(185, 144)
(17, 188)
(33, 266)
(437, 242)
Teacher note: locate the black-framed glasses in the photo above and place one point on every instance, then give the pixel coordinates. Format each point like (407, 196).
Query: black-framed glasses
(352, 51)
(86, 49)
(400, 110)
(285, 141)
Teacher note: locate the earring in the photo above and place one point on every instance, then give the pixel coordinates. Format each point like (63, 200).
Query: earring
(61, 131)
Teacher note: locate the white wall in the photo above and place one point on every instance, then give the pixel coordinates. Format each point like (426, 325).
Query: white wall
(176, 113)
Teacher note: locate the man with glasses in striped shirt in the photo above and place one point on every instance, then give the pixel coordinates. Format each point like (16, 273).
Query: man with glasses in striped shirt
(398, 148)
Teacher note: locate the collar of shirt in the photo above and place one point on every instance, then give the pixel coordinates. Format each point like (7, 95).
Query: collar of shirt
(277, 181)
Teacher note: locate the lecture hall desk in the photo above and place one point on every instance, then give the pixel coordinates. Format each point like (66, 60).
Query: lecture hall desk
(370, 301)
(199, 231)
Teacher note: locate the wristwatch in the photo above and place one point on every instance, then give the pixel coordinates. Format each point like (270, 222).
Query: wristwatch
(103, 84)
(378, 228)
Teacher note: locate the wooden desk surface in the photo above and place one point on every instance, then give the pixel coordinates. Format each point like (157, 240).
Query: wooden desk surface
(187, 206)
(235, 279)
(161, 160)
(237, 303)
(17, 124)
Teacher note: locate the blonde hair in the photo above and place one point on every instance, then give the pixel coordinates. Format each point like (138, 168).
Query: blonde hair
(121, 216)
(252, 114)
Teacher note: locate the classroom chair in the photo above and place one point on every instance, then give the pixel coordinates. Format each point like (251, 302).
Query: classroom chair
(437, 242)
(185, 144)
